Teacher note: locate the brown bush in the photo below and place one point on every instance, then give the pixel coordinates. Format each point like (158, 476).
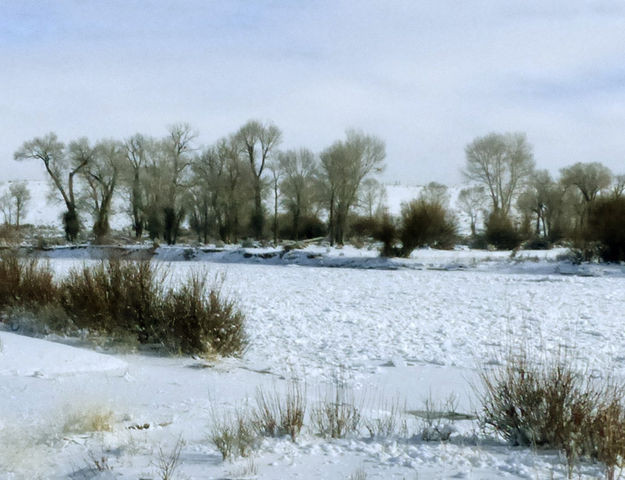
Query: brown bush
(426, 223)
(25, 282)
(196, 319)
(115, 297)
(501, 233)
(551, 405)
(606, 225)
(122, 299)
(387, 233)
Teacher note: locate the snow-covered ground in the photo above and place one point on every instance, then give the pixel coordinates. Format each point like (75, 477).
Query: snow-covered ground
(421, 329)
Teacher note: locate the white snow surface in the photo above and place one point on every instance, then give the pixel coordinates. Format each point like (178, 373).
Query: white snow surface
(421, 328)
(28, 357)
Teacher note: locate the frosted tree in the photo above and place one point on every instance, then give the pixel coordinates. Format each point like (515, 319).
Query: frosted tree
(101, 177)
(61, 169)
(471, 202)
(299, 186)
(588, 180)
(344, 166)
(502, 163)
(19, 197)
(256, 141)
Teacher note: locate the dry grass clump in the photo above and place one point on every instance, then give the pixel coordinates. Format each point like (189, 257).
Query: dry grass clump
(276, 415)
(233, 433)
(552, 405)
(390, 421)
(239, 432)
(358, 474)
(337, 415)
(89, 420)
(436, 418)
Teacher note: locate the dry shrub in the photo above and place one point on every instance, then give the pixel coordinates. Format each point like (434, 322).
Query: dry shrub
(275, 416)
(387, 233)
(123, 300)
(10, 235)
(500, 232)
(606, 225)
(114, 297)
(337, 415)
(167, 463)
(25, 282)
(358, 474)
(390, 422)
(551, 405)
(198, 319)
(119, 298)
(234, 434)
(426, 223)
(40, 320)
(436, 418)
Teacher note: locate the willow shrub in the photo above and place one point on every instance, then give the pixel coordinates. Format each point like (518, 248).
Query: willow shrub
(125, 299)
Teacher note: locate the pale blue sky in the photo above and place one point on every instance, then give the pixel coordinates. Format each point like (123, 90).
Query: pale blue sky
(427, 77)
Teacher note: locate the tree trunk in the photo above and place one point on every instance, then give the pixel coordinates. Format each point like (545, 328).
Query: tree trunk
(258, 219)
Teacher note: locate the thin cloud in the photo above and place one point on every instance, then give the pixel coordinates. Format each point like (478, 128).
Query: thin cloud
(427, 77)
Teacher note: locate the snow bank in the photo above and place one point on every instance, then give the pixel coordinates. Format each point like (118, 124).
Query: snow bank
(32, 357)
(542, 262)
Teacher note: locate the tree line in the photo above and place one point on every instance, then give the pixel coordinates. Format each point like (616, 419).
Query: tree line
(521, 202)
(223, 191)
(220, 189)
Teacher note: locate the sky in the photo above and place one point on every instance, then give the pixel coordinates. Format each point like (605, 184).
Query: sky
(427, 77)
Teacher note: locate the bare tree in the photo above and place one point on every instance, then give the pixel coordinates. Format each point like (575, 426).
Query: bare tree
(588, 180)
(256, 141)
(101, 176)
(51, 152)
(276, 176)
(203, 193)
(299, 186)
(20, 197)
(137, 149)
(345, 165)
(372, 197)
(437, 193)
(237, 181)
(502, 163)
(220, 184)
(167, 176)
(536, 200)
(6, 207)
(471, 201)
(219, 197)
(618, 186)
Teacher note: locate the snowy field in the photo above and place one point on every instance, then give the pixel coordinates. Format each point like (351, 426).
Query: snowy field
(408, 333)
